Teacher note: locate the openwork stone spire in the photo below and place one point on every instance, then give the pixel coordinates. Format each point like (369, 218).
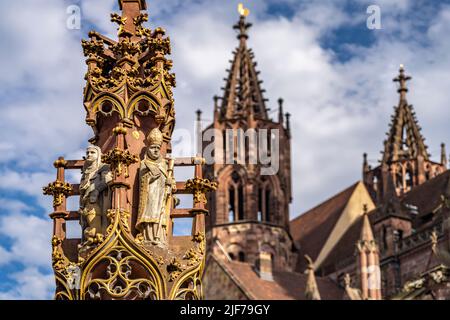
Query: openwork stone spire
(247, 199)
(404, 140)
(405, 162)
(242, 92)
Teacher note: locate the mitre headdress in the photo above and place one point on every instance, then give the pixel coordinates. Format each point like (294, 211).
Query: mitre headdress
(155, 137)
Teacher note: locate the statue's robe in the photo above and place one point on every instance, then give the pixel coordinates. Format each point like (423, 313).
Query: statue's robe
(152, 191)
(96, 180)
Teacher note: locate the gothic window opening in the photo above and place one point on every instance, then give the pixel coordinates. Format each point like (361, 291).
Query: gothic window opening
(235, 199)
(240, 203)
(399, 182)
(259, 204)
(265, 201)
(231, 207)
(409, 179)
(267, 207)
(241, 256)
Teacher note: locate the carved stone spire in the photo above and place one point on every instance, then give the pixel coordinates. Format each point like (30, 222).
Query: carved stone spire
(288, 123)
(368, 261)
(405, 162)
(245, 194)
(243, 94)
(405, 140)
(280, 111)
(366, 230)
(366, 166)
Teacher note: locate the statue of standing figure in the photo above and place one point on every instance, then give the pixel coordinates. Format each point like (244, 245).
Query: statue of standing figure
(94, 196)
(154, 189)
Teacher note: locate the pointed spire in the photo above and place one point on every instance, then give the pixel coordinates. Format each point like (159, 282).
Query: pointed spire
(366, 167)
(199, 115)
(311, 290)
(243, 95)
(405, 140)
(280, 111)
(443, 155)
(288, 124)
(366, 230)
(368, 261)
(199, 132)
(402, 79)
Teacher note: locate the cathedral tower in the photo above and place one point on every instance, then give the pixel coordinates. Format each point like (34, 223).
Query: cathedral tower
(251, 163)
(127, 191)
(405, 162)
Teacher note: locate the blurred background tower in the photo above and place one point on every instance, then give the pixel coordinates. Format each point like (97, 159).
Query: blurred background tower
(128, 94)
(250, 210)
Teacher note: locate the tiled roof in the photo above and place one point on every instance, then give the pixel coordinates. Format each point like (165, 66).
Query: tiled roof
(311, 229)
(286, 285)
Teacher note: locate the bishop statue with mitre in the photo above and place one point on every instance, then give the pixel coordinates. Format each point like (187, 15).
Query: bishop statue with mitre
(154, 188)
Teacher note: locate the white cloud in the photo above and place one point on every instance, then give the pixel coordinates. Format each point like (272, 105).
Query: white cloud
(31, 284)
(98, 13)
(5, 256)
(30, 237)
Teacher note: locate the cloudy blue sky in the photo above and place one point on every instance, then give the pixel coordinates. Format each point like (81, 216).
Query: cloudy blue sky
(334, 74)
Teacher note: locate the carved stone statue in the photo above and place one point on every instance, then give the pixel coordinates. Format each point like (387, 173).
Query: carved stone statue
(154, 188)
(94, 196)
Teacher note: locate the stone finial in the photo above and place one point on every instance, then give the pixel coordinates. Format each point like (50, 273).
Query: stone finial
(199, 115)
(443, 155)
(280, 111)
(311, 290)
(366, 230)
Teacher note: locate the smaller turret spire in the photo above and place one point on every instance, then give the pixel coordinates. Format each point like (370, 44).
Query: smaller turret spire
(280, 111)
(366, 231)
(288, 124)
(402, 79)
(366, 166)
(199, 115)
(368, 260)
(443, 155)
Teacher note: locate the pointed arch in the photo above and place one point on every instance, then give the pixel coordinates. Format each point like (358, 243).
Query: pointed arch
(143, 103)
(234, 179)
(107, 103)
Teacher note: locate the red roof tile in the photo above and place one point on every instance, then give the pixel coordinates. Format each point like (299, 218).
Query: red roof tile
(311, 229)
(286, 285)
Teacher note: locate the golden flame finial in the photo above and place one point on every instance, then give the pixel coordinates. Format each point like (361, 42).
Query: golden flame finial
(243, 11)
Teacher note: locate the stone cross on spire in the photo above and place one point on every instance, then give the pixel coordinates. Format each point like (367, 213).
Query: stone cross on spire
(402, 79)
(242, 25)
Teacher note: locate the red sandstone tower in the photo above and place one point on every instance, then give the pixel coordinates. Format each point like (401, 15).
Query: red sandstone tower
(406, 162)
(250, 210)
